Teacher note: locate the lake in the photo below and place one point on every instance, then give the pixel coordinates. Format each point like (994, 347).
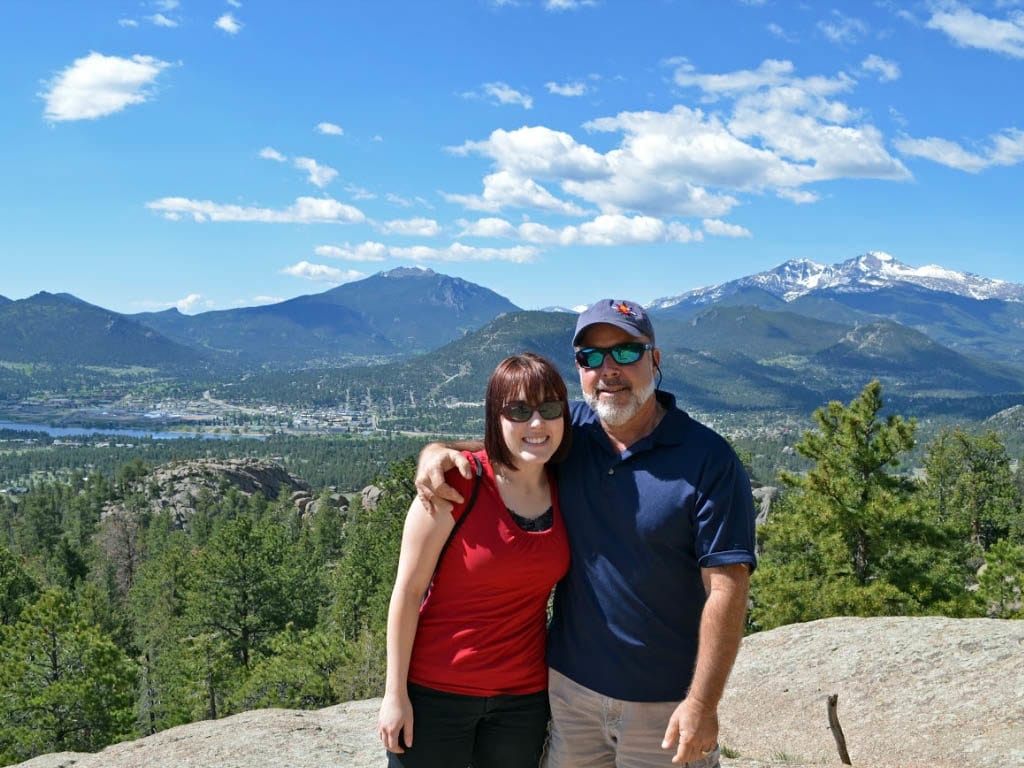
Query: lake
(136, 433)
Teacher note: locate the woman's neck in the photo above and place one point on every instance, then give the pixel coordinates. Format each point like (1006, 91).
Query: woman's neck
(525, 491)
(530, 477)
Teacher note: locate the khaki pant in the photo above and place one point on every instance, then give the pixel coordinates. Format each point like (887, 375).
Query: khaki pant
(589, 730)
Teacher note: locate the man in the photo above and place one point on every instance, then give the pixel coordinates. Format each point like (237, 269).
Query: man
(648, 621)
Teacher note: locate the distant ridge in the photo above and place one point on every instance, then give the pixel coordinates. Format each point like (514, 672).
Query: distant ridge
(871, 271)
(411, 338)
(968, 313)
(390, 314)
(62, 329)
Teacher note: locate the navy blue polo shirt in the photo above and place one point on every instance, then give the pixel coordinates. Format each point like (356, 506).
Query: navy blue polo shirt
(641, 525)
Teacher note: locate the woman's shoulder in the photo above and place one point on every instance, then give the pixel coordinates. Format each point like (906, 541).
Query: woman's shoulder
(482, 470)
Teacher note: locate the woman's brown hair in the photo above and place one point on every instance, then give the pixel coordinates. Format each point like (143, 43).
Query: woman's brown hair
(528, 377)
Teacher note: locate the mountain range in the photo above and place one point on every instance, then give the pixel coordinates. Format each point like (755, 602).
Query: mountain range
(786, 338)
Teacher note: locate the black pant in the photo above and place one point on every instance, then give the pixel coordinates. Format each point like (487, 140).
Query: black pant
(454, 731)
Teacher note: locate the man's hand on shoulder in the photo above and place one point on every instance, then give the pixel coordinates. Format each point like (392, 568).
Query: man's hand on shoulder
(434, 493)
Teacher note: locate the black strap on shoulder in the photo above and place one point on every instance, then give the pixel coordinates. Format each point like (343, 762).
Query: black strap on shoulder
(463, 516)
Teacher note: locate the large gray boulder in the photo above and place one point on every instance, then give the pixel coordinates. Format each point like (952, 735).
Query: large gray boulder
(913, 693)
(176, 487)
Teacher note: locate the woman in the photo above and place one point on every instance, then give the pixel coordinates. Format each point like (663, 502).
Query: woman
(466, 677)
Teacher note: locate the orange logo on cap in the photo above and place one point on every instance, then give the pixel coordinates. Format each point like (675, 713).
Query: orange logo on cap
(624, 309)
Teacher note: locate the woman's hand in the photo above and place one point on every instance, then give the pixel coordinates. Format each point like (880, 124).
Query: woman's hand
(394, 722)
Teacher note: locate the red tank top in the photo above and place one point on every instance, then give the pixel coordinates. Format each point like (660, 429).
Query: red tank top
(483, 627)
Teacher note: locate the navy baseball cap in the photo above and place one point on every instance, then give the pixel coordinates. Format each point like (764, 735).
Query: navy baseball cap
(627, 315)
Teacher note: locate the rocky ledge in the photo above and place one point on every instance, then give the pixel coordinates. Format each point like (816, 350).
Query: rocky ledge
(912, 692)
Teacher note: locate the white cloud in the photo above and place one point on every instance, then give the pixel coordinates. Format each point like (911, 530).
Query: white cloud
(798, 133)
(779, 32)
(360, 193)
(391, 197)
(1006, 148)
(368, 251)
(191, 303)
(885, 69)
(507, 190)
(610, 230)
(615, 229)
(128, 22)
(771, 72)
(188, 303)
(162, 21)
(305, 210)
(486, 227)
(539, 151)
(520, 254)
(771, 131)
(97, 85)
(567, 89)
(973, 30)
(166, 5)
(724, 229)
(420, 227)
(798, 196)
(322, 273)
(566, 5)
(269, 153)
(330, 129)
(842, 29)
(319, 175)
(506, 94)
(532, 232)
(372, 251)
(229, 24)
(234, 3)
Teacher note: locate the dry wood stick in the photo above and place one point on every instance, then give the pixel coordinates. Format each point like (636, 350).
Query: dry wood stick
(837, 729)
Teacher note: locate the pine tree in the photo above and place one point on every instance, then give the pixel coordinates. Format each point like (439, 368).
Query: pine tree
(17, 588)
(849, 537)
(971, 487)
(64, 686)
(1001, 582)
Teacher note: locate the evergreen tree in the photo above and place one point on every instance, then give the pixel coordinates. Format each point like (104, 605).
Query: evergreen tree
(64, 686)
(17, 588)
(249, 581)
(366, 573)
(848, 537)
(157, 604)
(1001, 581)
(300, 670)
(971, 487)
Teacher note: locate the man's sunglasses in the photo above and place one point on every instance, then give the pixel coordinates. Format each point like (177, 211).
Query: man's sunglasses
(521, 411)
(626, 353)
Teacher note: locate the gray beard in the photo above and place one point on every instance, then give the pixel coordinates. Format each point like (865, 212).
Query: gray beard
(617, 415)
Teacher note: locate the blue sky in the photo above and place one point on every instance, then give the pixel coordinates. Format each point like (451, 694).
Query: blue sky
(210, 155)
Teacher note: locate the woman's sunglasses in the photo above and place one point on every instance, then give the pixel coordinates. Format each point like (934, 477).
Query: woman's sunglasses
(626, 353)
(521, 411)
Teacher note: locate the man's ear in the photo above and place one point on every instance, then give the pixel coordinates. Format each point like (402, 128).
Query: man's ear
(656, 357)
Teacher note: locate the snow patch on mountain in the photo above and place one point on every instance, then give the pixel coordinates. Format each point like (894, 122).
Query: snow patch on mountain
(869, 272)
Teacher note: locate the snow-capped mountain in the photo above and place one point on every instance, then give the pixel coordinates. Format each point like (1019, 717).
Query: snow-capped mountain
(871, 271)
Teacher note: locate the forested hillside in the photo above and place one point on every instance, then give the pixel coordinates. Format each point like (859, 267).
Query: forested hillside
(116, 622)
